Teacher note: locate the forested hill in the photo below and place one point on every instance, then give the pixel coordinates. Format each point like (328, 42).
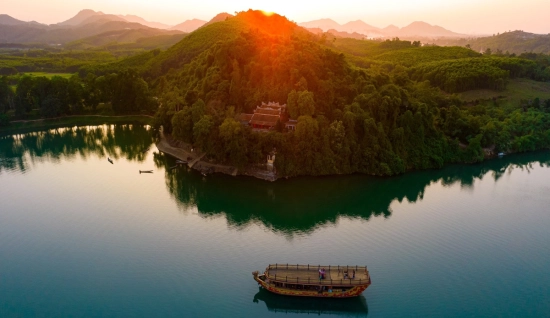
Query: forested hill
(515, 42)
(375, 107)
(208, 36)
(366, 106)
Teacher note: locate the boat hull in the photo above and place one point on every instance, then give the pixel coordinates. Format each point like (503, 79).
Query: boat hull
(352, 292)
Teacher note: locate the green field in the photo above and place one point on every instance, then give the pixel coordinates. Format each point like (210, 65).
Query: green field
(518, 89)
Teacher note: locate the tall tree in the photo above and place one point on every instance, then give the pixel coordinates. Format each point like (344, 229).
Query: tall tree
(6, 95)
(24, 98)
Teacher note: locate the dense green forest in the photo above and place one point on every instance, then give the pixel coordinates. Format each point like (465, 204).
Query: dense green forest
(375, 107)
(47, 60)
(394, 115)
(124, 92)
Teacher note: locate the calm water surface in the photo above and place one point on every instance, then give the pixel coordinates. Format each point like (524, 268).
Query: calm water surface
(81, 237)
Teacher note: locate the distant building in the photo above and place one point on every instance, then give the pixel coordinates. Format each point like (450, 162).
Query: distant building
(290, 125)
(265, 116)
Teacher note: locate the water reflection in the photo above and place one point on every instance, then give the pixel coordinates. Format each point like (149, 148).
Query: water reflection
(288, 206)
(349, 307)
(116, 141)
(304, 204)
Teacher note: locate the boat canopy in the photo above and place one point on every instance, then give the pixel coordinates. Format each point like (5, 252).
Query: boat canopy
(318, 274)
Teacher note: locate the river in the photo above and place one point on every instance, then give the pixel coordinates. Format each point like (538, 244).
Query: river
(82, 237)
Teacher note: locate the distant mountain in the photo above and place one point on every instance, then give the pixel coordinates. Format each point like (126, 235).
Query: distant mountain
(324, 24)
(112, 39)
(360, 27)
(90, 16)
(415, 29)
(8, 20)
(423, 29)
(189, 25)
(86, 24)
(136, 19)
(341, 34)
(218, 18)
(103, 18)
(61, 34)
(315, 30)
(390, 29)
(86, 16)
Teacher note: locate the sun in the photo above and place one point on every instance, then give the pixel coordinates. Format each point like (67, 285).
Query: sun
(267, 13)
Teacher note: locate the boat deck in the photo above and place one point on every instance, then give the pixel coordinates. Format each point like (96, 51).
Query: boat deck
(309, 274)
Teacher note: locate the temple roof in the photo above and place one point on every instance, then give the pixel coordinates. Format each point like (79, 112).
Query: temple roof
(245, 117)
(267, 111)
(264, 120)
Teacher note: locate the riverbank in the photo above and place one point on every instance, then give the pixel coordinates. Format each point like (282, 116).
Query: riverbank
(196, 160)
(20, 126)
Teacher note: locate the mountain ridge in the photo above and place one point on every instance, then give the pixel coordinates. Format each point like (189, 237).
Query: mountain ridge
(9, 20)
(218, 18)
(422, 28)
(323, 24)
(189, 25)
(80, 17)
(140, 20)
(416, 28)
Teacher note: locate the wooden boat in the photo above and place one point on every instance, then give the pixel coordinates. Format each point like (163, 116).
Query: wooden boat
(341, 307)
(110, 160)
(307, 281)
(145, 171)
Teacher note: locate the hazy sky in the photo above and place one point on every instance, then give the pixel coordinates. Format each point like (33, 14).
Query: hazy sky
(464, 16)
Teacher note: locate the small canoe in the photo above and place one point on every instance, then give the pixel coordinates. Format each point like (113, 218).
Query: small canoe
(145, 171)
(314, 280)
(110, 160)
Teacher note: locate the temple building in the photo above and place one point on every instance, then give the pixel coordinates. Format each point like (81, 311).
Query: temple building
(265, 116)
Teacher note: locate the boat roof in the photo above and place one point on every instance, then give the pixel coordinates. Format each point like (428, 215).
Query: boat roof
(309, 274)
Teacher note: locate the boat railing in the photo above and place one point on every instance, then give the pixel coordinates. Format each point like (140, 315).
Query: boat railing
(325, 281)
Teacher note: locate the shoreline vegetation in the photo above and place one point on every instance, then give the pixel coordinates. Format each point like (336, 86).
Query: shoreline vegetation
(195, 159)
(20, 126)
